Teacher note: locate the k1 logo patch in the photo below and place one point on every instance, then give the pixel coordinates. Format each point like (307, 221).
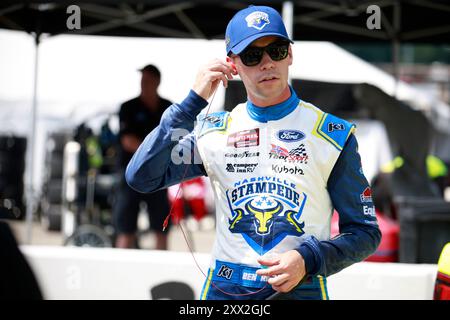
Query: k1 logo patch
(225, 272)
(335, 127)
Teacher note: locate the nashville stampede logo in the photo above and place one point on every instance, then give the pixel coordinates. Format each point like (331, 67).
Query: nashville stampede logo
(265, 210)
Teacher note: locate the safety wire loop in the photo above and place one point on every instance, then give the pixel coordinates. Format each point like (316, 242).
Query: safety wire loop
(166, 222)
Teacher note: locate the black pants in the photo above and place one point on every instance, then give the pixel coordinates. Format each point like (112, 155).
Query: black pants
(127, 207)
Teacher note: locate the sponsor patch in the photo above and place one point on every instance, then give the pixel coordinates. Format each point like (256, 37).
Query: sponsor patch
(366, 196)
(296, 155)
(369, 211)
(288, 170)
(335, 127)
(290, 135)
(279, 151)
(249, 276)
(225, 272)
(212, 119)
(241, 167)
(242, 139)
(217, 121)
(245, 154)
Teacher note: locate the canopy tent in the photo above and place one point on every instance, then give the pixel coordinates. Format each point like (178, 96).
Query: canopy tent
(335, 20)
(331, 20)
(401, 21)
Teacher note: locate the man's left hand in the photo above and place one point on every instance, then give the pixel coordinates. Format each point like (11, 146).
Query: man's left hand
(285, 270)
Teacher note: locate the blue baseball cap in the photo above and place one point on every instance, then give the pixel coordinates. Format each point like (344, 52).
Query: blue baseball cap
(250, 24)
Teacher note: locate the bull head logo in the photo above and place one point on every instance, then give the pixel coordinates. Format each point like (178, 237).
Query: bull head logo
(264, 217)
(236, 218)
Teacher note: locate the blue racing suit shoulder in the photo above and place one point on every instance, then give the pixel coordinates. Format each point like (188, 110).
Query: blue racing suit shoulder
(335, 130)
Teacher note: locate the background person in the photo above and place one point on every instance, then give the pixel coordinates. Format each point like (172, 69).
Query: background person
(138, 117)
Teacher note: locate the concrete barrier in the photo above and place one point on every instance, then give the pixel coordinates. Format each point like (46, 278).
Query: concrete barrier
(92, 273)
(383, 281)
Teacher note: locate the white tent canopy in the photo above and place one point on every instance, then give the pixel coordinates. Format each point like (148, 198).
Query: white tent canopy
(92, 70)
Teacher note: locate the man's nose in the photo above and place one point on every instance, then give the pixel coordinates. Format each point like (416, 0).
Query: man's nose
(266, 62)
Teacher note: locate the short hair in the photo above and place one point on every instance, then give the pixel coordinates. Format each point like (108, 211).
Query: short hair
(150, 68)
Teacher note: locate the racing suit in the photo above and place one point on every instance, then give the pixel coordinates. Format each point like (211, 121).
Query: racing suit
(278, 173)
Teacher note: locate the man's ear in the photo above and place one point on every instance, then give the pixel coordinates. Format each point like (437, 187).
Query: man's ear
(230, 60)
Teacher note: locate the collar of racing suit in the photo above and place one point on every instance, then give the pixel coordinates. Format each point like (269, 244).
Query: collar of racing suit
(275, 112)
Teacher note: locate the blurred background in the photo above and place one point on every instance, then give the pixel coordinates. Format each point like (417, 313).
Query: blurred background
(65, 68)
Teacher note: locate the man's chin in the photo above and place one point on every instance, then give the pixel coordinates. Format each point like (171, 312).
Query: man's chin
(271, 89)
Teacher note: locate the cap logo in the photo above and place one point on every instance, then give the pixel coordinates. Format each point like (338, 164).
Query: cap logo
(257, 20)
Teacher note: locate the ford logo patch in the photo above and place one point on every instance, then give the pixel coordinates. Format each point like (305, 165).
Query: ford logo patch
(290, 135)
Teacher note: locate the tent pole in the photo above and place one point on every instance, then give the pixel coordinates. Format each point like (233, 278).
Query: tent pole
(396, 46)
(288, 18)
(396, 63)
(30, 189)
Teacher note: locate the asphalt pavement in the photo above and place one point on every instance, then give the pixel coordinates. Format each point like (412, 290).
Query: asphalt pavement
(201, 236)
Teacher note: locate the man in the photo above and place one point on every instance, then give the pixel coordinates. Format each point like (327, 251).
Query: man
(138, 117)
(278, 167)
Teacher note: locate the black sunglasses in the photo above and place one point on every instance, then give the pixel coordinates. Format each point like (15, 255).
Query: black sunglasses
(252, 56)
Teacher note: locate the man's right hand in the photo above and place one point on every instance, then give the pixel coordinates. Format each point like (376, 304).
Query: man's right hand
(130, 142)
(210, 75)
